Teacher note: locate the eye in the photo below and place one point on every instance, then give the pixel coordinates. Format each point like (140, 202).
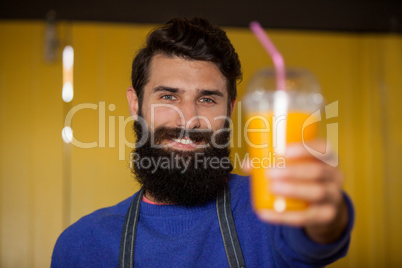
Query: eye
(168, 97)
(207, 100)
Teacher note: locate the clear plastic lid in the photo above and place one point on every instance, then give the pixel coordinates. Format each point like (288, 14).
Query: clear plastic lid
(302, 88)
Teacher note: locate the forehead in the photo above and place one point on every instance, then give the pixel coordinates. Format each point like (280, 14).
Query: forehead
(185, 74)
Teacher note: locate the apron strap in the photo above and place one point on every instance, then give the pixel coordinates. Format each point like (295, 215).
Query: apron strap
(228, 230)
(127, 242)
(226, 223)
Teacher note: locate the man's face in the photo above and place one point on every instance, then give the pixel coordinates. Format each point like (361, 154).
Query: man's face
(185, 94)
(189, 96)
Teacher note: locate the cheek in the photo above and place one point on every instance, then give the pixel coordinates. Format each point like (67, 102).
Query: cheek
(161, 116)
(216, 117)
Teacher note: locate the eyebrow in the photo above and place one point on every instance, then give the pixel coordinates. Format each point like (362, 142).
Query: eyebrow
(209, 92)
(201, 92)
(164, 88)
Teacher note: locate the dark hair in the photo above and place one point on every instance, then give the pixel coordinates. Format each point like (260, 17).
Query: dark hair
(195, 39)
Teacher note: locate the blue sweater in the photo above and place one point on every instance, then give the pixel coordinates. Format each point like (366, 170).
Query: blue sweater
(177, 236)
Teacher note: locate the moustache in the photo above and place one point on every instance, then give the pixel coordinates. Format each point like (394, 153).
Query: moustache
(196, 135)
(205, 136)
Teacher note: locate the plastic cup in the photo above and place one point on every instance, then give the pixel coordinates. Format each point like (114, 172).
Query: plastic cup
(275, 118)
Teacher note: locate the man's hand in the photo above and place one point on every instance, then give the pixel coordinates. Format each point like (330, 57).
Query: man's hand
(310, 179)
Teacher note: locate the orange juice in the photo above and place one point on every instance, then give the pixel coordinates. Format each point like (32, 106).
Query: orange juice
(261, 147)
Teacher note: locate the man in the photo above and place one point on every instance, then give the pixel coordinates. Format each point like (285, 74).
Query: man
(191, 211)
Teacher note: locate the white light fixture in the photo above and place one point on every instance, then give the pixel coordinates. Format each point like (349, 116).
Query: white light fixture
(67, 92)
(68, 58)
(67, 134)
(68, 67)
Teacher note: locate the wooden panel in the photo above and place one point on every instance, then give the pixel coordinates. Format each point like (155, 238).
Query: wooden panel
(30, 148)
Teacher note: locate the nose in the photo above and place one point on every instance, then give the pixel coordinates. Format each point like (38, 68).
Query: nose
(188, 117)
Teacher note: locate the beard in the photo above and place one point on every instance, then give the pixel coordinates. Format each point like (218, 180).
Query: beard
(183, 177)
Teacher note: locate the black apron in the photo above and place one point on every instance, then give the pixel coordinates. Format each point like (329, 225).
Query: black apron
(226, 223)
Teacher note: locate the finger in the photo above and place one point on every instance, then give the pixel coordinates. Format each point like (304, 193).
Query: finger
(293, 218)
(306, 171)
(310, 192)
(314, 215)
(300, 149)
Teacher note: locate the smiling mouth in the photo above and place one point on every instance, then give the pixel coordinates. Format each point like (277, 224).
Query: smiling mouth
(184, 141)
(186, 144)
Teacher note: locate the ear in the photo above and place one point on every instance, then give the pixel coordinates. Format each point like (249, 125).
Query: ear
(232, 105)
(132, 102)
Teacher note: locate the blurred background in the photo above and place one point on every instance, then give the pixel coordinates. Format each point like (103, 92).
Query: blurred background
(354, 48)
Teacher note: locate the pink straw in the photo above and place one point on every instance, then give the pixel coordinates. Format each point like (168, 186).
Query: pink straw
(276, 56)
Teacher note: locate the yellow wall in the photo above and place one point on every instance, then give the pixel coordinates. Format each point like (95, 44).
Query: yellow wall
(362, 72)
